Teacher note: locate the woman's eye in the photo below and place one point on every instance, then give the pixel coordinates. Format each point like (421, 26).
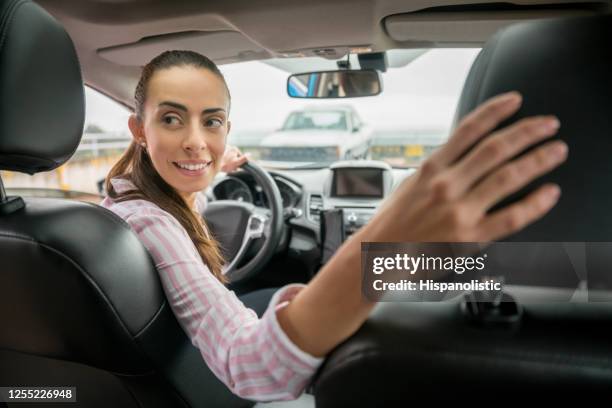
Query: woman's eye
(171, 120)
(214, 122)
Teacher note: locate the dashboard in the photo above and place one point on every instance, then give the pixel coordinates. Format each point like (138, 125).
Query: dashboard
(356, 187)
(321, 208)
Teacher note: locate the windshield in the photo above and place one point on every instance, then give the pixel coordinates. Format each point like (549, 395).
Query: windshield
(401, 126)
(330, 120)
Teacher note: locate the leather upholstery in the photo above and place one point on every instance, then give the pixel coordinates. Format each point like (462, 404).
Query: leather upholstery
(408, 353)
(562, 67)
(80, 300)
(85, 299)
(42, 98)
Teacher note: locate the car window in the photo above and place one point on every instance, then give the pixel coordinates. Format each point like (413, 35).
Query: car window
(330, 120)
(105, 137)
(356, 121)
(408, 120)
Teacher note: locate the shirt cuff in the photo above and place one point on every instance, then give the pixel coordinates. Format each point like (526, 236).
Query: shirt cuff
(281, 298)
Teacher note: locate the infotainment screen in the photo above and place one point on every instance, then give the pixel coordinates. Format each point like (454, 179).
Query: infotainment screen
(357, 182)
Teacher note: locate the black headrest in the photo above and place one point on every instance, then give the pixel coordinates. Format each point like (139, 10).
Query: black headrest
(41, 90)
(561, 67)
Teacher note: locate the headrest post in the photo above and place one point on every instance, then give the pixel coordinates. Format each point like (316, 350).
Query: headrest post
(9, 205)
(2, 191)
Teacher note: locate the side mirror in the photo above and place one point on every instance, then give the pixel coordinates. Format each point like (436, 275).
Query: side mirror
(334, 84)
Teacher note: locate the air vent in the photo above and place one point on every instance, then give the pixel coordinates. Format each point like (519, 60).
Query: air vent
(315, 205)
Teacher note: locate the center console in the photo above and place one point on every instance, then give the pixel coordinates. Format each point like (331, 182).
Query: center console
(352, 193)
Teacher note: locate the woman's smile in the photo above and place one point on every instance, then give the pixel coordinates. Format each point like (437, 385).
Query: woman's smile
(192, 168)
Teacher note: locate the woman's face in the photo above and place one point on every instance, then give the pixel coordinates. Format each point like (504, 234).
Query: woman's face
(185, 126)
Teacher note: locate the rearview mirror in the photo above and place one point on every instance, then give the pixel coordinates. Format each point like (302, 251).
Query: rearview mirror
(334, 84)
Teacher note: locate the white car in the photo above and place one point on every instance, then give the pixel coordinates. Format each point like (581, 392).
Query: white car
(318, 134)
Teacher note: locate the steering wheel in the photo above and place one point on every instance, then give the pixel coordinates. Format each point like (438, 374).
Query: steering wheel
(239, 226)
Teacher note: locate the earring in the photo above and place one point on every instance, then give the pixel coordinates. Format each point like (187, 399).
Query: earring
(143, 144)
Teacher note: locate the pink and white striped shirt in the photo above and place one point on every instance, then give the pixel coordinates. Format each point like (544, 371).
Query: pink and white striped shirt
(252, 356)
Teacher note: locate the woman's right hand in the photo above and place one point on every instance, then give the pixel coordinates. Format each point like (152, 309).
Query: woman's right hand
(446, 200)
(448, 197)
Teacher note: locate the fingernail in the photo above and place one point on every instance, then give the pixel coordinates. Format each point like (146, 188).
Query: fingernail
(512, 97)
(559, 150)
(554, 193)
(551, 124)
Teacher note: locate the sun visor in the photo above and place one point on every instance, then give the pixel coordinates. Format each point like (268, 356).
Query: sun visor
(463, 27)
(220, 46)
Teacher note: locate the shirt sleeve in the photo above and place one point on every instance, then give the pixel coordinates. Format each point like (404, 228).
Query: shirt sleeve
(252, 356)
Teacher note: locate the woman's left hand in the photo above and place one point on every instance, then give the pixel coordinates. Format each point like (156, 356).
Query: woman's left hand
(232, 159)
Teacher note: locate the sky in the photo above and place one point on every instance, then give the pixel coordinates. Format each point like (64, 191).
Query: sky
(420, 96)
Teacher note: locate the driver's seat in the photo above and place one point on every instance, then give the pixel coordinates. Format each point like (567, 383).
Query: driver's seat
(81, 304)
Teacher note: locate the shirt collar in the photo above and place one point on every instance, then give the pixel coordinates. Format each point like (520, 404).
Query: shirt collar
(122, 185)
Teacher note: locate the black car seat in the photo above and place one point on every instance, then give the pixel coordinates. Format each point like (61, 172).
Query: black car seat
(433, 353)
(80, 301)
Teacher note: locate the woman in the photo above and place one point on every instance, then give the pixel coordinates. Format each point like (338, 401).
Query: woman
(179, 138)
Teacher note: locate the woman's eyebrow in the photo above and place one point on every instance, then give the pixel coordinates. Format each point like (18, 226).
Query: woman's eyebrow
(184, 108)
(173, 105)
(212, 110)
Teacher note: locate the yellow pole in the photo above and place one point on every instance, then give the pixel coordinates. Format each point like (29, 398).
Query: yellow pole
(60, 178)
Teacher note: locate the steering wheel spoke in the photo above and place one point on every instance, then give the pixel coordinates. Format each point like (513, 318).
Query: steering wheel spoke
(255, 228)
(266, 216)
(239, 224)
(262, 211)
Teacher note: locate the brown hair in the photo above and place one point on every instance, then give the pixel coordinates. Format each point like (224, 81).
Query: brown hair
(135, 165)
